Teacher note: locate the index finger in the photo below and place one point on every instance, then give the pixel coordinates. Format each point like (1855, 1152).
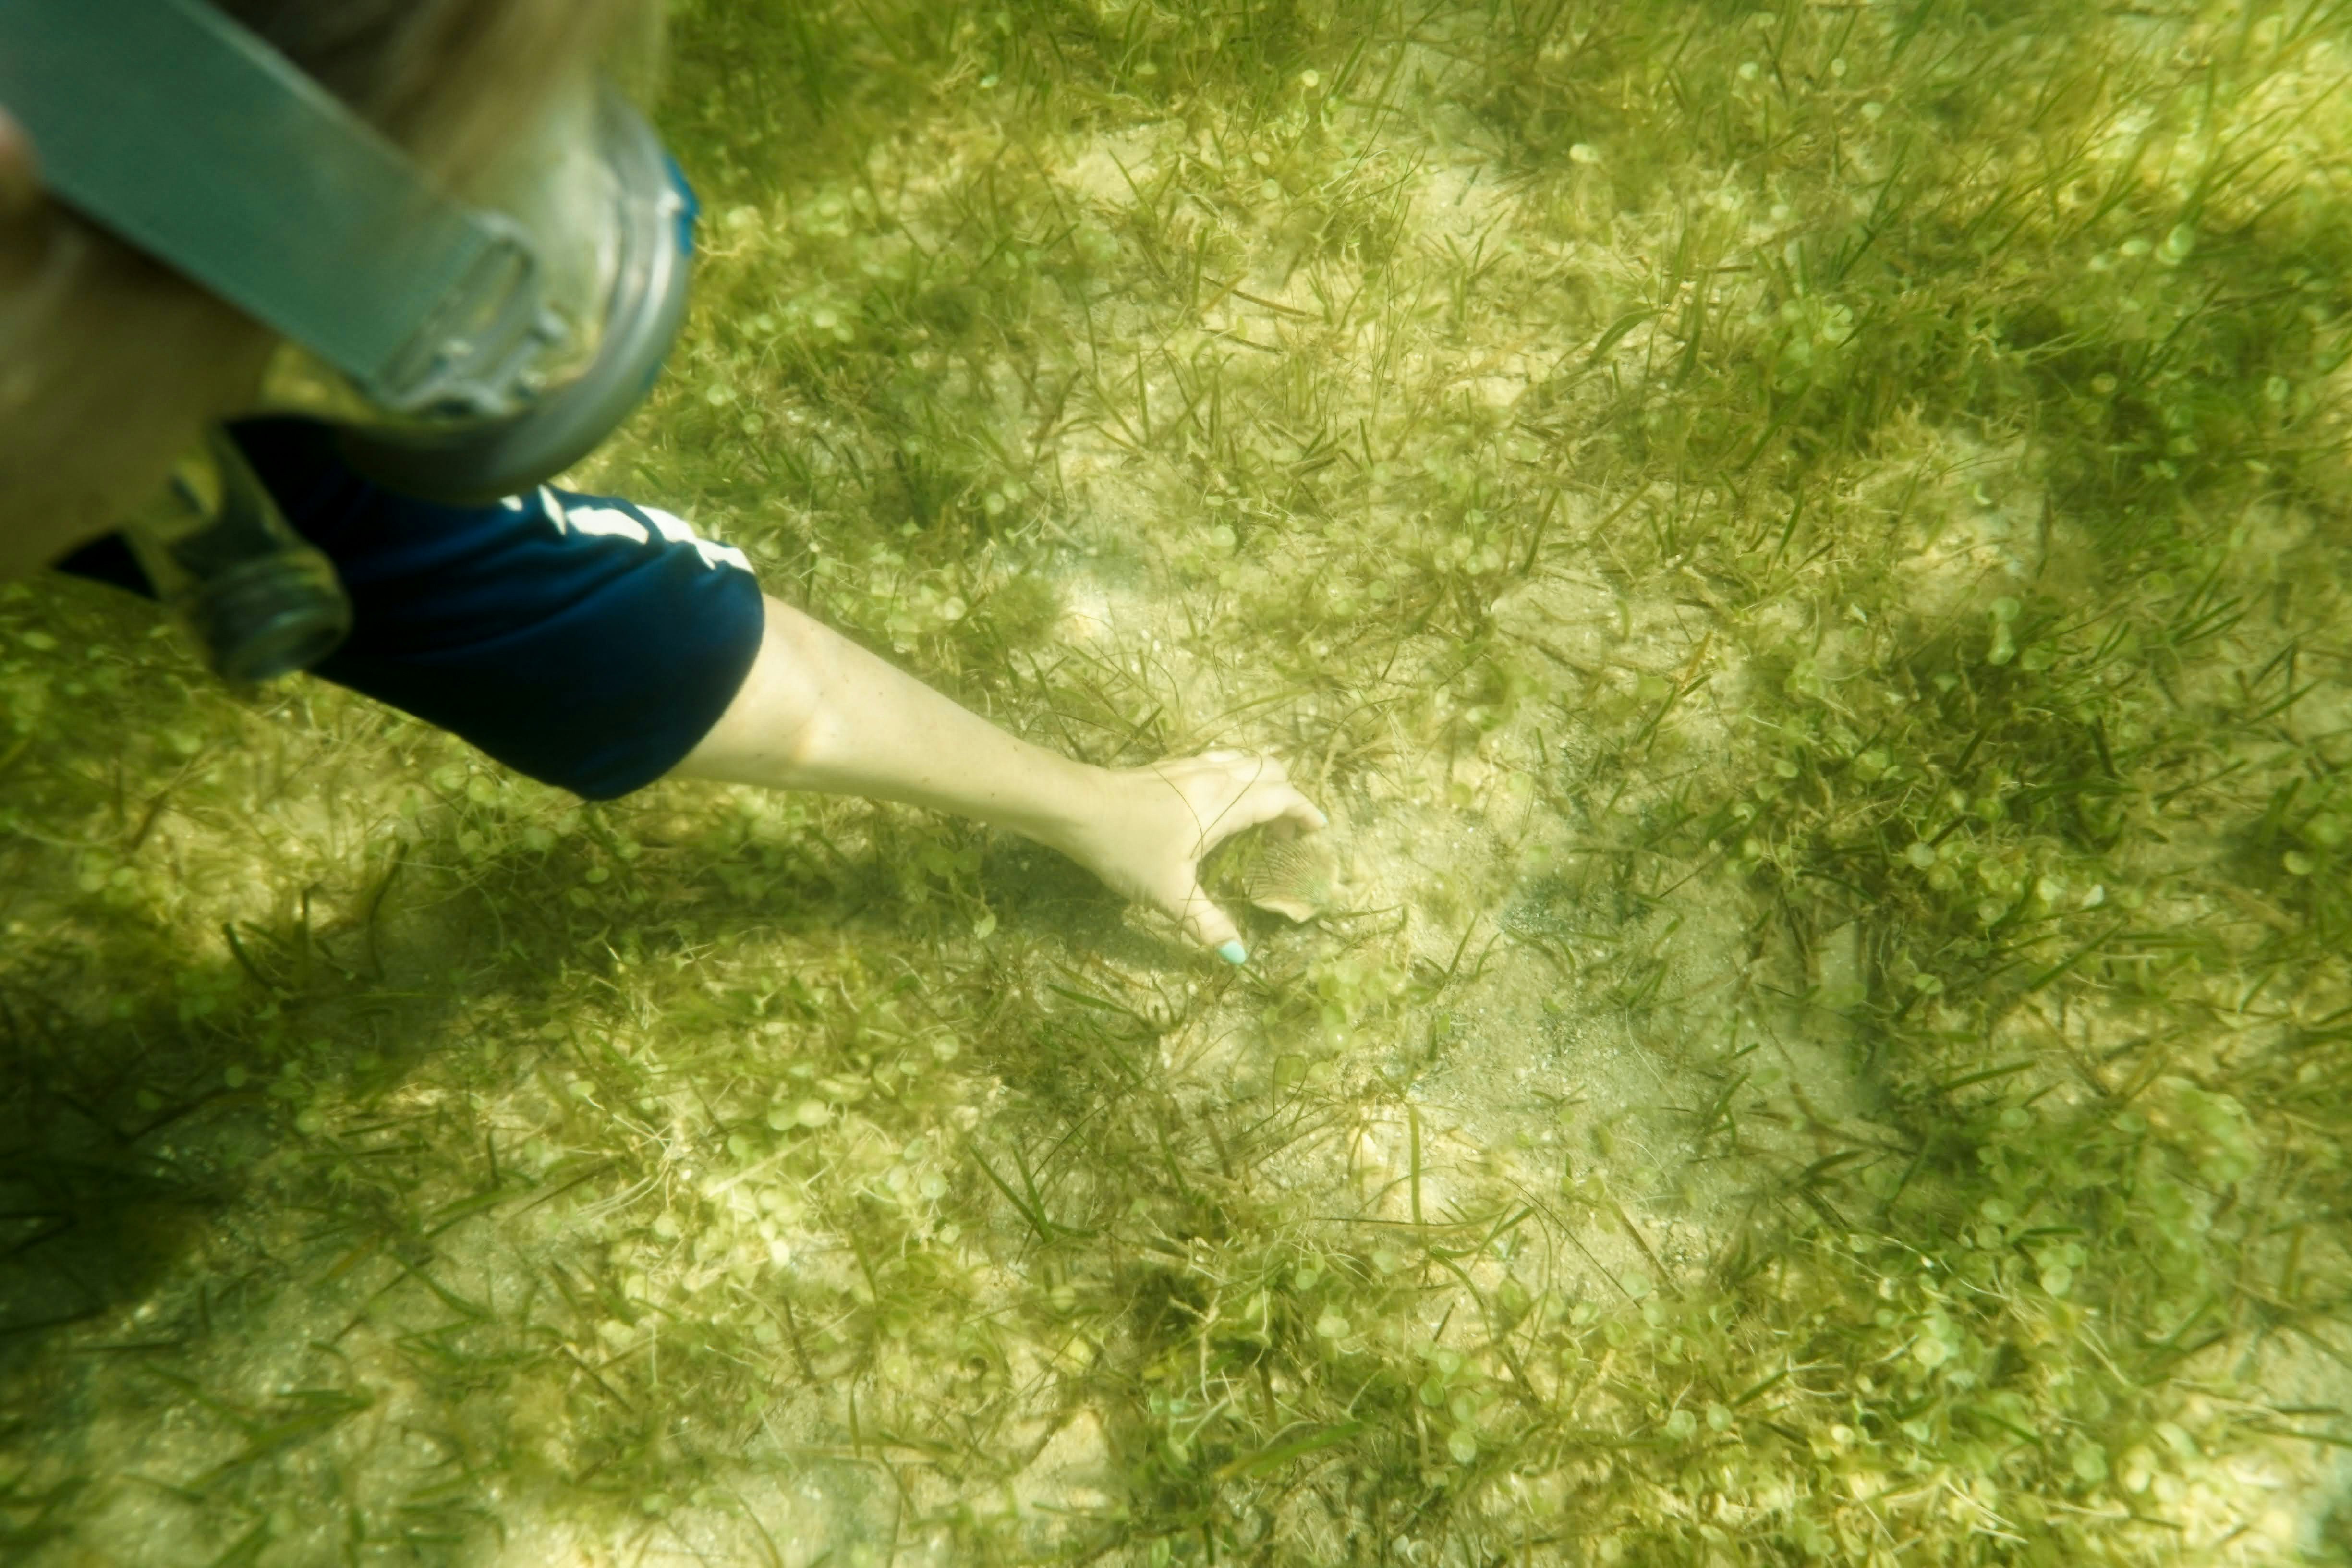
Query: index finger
(1270, 800)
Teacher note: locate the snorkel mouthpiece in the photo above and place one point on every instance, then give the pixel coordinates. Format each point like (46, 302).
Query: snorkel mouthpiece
(258, 601)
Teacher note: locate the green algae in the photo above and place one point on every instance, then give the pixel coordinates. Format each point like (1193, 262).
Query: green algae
(1807, 547)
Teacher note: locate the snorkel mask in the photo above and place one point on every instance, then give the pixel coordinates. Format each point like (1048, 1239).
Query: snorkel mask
(468, 348)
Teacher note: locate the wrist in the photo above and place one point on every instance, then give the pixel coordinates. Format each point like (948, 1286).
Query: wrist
(1073, 818)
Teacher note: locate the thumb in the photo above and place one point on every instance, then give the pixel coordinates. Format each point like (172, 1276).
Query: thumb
(1209, 926)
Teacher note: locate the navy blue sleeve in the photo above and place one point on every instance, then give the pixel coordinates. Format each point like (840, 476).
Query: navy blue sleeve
(584, 641)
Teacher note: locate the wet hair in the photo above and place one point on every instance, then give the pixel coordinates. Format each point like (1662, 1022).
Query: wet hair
(447, 78)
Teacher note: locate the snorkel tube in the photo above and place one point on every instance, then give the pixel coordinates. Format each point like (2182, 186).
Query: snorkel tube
(486, 460)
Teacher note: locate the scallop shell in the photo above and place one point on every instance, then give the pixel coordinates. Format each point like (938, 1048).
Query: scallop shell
(1297, 877)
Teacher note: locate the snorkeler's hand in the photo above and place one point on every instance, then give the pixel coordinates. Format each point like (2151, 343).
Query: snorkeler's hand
(819, 712)
(1155, 825)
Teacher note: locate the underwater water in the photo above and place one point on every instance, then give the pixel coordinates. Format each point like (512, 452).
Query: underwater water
(1805, 550)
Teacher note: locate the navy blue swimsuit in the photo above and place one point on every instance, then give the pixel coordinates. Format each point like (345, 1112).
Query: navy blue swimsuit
(581, 640)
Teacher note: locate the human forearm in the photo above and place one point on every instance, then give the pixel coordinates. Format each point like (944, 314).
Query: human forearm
(818, 712)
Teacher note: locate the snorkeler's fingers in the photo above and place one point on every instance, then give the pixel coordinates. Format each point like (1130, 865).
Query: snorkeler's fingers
(1270, 801)
(1302, 815)
(1209, 926)
(20, 176)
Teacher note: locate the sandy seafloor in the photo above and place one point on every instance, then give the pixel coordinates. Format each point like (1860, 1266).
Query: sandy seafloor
(262, 1341)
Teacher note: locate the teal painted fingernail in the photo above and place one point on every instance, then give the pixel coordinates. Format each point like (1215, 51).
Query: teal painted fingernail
(1234, 952)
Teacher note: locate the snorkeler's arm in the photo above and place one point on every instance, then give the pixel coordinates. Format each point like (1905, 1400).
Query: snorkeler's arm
(818, 712)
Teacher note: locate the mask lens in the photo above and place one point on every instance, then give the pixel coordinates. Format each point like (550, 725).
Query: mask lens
(605, 221)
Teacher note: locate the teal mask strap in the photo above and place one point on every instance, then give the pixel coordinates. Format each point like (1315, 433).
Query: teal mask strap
(166, 122)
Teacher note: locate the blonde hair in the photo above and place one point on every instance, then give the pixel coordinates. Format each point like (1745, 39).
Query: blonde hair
(449, 80)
